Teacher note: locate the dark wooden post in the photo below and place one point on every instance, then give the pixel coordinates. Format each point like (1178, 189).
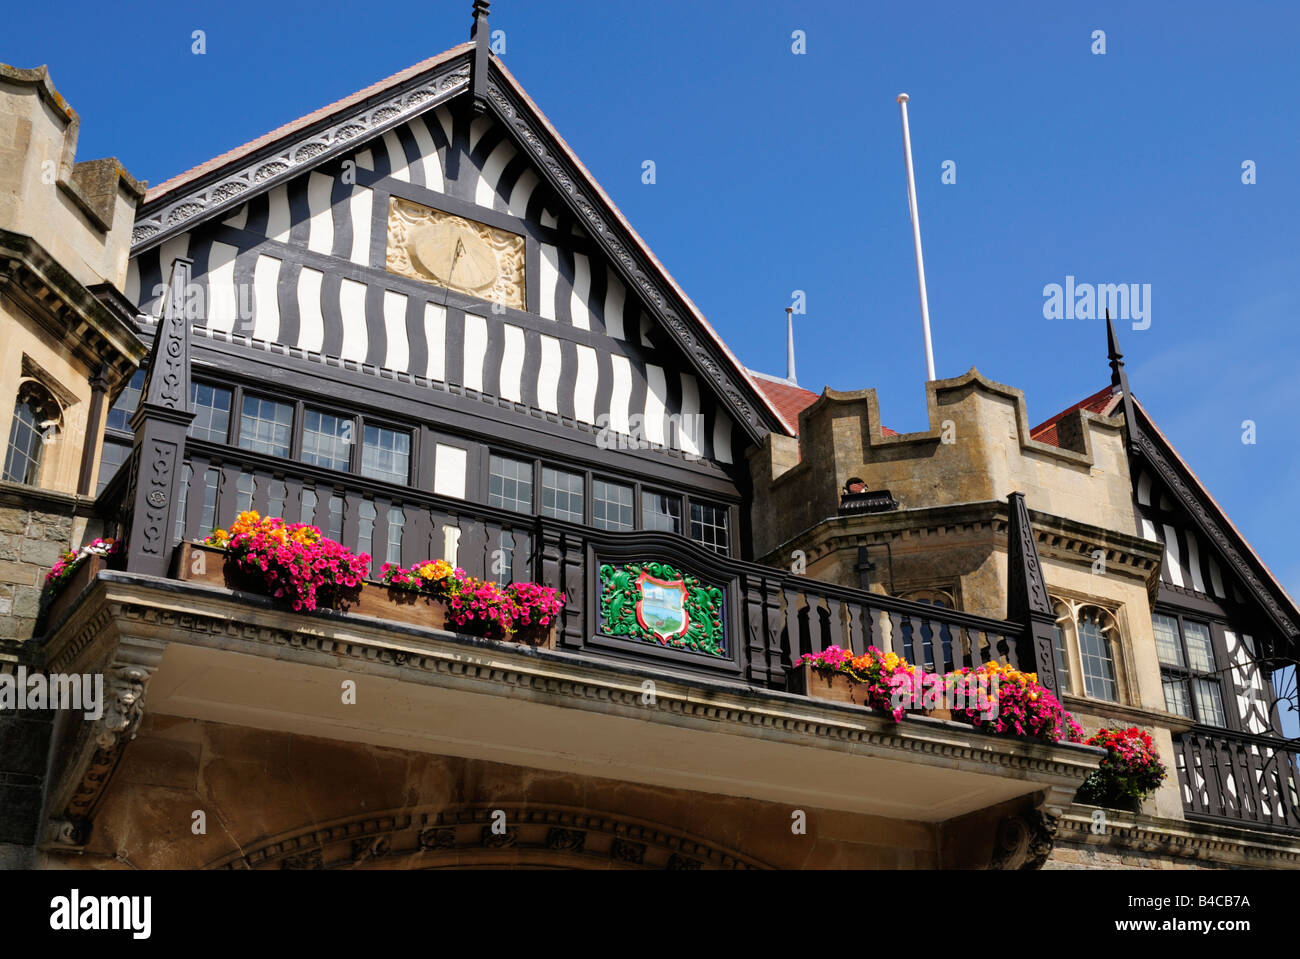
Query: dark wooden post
(1027, 602)
(160, 424)
(481, 34)
(761, 626)
(561, 563)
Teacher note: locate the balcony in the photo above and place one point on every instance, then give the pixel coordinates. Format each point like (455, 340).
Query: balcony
(1238, 778)
(604, 702)
(773, 617)
(598, 704)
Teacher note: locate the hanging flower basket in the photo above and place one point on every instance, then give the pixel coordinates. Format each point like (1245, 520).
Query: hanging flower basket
(1131, 771)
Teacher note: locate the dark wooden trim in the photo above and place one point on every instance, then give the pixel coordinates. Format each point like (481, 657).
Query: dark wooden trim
(1234, 554)
(638, 273)
(282, 376)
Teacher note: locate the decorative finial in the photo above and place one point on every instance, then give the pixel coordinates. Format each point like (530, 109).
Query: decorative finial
(1115, 356)
(482, 37)
(1119, 384)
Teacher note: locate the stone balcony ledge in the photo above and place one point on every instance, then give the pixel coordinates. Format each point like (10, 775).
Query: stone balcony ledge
(207, 653)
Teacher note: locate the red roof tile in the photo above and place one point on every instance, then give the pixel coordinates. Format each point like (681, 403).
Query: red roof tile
(1045, 432)
(791, 400)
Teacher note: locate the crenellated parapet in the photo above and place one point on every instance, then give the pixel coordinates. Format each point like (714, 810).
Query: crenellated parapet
(963, 457)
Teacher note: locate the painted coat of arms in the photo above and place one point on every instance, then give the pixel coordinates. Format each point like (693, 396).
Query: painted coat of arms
(654, 602)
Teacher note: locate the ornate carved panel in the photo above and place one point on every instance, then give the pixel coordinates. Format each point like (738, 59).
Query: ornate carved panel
(458, 254)
(462, 836)
(173, 213)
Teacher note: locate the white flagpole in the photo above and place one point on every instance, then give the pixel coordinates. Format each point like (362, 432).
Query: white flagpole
(916, 239)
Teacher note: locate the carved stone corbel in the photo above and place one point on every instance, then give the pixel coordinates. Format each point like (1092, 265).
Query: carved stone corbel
(1026, 841)
(91, 749)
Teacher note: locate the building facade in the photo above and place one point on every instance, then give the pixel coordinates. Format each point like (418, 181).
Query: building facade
(70, 344)
(413, 320)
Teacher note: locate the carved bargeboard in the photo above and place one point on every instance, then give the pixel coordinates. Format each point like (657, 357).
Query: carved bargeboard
(455, 253)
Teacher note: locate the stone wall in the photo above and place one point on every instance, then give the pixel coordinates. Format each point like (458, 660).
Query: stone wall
(24, 744)
(81, 212)
(268, 798)
(34, 529)
(977, 449)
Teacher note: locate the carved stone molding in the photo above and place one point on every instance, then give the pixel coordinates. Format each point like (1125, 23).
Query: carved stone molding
(454, 252)
(458, 836)
(173, 212)
(93, 748)
(1217, 844)
(1026, 841)
(302, 638)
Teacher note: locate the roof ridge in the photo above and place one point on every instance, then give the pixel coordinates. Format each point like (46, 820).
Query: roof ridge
(738, 369)
(243, 150)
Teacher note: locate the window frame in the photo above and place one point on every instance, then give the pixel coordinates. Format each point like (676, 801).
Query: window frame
(295, 424)
(610, 481)
(728, 512)
(532, 467)
(1068, 610)
(1185, 674)
(1100, 614)
(683, 515)
(590, 475)
(236, 404)
(37, 463)
(384, 423)
(585, 484)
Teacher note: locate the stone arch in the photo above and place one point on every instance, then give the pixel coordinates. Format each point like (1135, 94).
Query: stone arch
(474, 835)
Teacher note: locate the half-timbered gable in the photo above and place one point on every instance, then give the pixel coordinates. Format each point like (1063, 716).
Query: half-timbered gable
(1226, 633)
(452, 275)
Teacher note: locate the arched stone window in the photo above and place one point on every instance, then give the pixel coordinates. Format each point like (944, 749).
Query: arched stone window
(1096, 654)
(36, 422)
(935, 597)
(1087, 659)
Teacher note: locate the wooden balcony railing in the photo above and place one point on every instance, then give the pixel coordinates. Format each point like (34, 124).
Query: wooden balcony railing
(177, 488)
(773, 616)
(1238, 777)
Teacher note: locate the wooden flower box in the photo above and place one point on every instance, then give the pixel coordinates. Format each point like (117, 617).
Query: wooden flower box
(839, 688)
(73, 587)
(820, 684)
(199, 563)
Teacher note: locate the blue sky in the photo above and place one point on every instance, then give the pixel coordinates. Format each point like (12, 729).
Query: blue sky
(778, 172)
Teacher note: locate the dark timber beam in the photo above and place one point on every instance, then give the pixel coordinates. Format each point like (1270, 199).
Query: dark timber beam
(94, 427)
(1027, 602)
(481, 34)
(160, 424)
